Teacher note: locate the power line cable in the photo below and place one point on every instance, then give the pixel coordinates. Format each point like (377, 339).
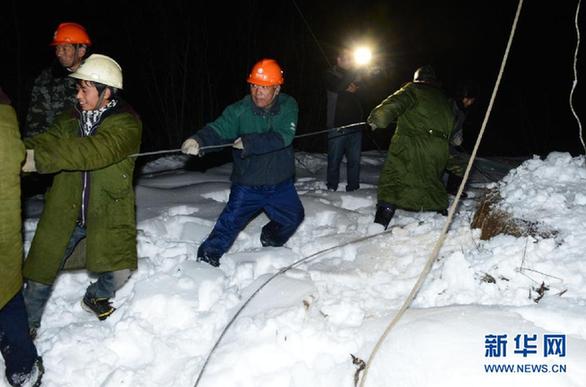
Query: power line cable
(575, 82)
(267, 281)
(226, 145)
(311, 32)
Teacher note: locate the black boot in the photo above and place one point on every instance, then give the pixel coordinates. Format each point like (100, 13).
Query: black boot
(453, 185)
(268, 235)
(384, 214)
(209, 257)
(214, 261)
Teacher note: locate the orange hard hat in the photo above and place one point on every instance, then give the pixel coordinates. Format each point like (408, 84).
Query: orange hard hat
(266, 72)
(72, 33)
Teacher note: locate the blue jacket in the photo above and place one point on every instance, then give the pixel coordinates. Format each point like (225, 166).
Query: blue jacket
(267, 157)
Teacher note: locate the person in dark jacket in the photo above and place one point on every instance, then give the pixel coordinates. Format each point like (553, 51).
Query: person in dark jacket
(22, 364)
(411, 178)
(92, 197)
(262, 127)
(53, 91)
(464, 98)
(343, 108)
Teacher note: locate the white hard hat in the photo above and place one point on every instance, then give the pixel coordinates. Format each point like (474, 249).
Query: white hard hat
(100, 68)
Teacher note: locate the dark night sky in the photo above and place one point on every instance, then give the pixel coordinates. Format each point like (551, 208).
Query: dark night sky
(183, 62)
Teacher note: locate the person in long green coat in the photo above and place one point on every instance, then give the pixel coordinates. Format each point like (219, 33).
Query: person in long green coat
(92, 195)
(417, 156)
(22, 364)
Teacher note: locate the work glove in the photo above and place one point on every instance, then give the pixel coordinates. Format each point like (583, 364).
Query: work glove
(238, 144)
(29, 163)
(372, 126)
(190, 147)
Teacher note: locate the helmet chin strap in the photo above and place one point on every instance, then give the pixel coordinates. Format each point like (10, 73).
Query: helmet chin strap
(100, 100)
(76, 59)
(275, 95)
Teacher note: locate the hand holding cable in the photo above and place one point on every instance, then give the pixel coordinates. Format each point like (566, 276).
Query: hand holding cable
(29, 163)
(190, 147)
(238, 144)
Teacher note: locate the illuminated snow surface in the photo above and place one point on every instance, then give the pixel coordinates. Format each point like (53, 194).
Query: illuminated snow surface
(301, 328)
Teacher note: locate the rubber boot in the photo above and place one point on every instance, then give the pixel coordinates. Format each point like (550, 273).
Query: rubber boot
(453, 184)
(384, 214)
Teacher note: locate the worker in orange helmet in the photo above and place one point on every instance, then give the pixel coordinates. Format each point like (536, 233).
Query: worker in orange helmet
(53, 91)
(262, 127)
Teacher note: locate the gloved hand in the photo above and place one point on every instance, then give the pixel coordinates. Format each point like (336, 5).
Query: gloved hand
(238, 144)
(29, 163)
(372, 126)
(190, 147)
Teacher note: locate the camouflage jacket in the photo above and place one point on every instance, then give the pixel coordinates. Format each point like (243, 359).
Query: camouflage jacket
(53, 93)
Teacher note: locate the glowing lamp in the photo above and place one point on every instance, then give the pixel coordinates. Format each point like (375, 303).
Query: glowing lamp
(362, 56)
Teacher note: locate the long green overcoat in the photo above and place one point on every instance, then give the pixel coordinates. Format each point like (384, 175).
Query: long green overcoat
(111, 219)
(417, 156)
(11, 156)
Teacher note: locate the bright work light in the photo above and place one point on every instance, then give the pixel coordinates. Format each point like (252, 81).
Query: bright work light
(362, 56)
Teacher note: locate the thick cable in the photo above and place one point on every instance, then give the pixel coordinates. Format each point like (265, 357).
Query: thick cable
(278, 273)
(575, 82)
(311, 32)
(442, 237)
(177, 150)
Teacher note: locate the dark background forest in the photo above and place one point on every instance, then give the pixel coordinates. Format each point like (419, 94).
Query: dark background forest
(184, 61)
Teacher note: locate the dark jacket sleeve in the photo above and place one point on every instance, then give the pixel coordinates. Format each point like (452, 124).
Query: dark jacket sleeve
(257, 144)
(207, 136)
(280, 136)
(221, 131)
(338, 82)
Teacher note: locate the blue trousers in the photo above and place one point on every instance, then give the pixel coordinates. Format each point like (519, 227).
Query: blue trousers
(342, 143)
(37, 294)
(16, 344)
(281, 204)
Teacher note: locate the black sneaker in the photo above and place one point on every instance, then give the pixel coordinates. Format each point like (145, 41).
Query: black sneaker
(101, 307)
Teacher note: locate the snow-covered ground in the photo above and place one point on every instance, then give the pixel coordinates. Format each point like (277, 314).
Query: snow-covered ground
(301, 329)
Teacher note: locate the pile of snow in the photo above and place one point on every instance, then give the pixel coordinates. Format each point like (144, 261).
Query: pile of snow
(302, 327)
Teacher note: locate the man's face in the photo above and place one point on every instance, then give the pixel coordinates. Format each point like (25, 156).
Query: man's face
(345, 60)
(66, 55)
(87, 95)
(263, 96)
(468, 101)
